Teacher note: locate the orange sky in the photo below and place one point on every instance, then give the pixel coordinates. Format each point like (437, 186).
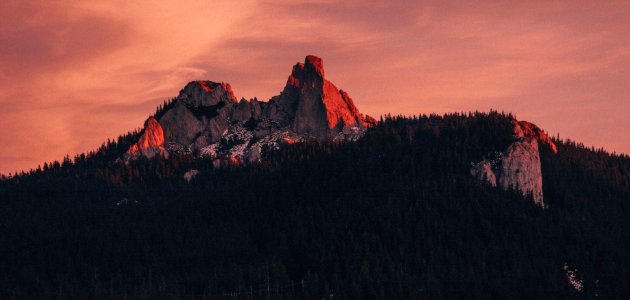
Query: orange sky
(74, 74)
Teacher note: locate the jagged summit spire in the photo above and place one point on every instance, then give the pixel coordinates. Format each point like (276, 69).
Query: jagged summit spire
(315, 105)
(206, 115)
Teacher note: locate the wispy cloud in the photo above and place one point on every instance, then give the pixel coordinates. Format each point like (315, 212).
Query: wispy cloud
(74, 74)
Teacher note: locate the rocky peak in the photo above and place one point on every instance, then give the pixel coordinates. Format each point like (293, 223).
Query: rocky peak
(313, 105)
(518, 167)
(206, 93)
(151, 142)
(207, 120)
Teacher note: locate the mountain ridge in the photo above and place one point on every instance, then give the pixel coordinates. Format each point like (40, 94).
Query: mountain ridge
(397, 205)
(206, 119)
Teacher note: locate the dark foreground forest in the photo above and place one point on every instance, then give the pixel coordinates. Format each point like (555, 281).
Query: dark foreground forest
(395, 215)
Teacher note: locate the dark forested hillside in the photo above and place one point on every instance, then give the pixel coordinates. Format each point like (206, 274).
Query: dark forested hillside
(395, 215)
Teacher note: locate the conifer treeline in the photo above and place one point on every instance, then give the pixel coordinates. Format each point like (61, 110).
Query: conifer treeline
(395, 215)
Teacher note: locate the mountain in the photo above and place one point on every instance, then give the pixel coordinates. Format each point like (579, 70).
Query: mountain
(207, 120)
(337, 206)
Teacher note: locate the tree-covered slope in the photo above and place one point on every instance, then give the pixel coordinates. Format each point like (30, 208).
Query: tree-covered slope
(395, 215)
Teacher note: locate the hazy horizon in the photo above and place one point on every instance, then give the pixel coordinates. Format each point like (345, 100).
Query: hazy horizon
(75, 74)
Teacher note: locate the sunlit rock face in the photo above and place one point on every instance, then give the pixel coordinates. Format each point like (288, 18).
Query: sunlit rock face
(518, 167)
(315, 106)
(151, 142)
(523, 129)
(206, 119)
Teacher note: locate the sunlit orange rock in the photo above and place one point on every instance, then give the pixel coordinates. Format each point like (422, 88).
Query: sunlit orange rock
(315, 106)
(527, 129)
(153, 135)
(235, 160)
(289, 140)
(206, 86)
(205, 119)
(368, 121)
(151, 142)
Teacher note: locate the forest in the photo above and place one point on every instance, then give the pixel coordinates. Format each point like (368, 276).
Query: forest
(394, 215)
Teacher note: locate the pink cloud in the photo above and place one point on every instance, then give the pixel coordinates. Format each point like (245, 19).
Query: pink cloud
(100, 69)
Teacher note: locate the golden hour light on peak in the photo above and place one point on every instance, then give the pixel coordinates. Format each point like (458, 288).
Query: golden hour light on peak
(314, 149)
(563, 65)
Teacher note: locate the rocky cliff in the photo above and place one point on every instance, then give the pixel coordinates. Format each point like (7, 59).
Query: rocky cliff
(313, 105)
(518, 167)
(524, 129)
(151, 141)
(206, 119)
